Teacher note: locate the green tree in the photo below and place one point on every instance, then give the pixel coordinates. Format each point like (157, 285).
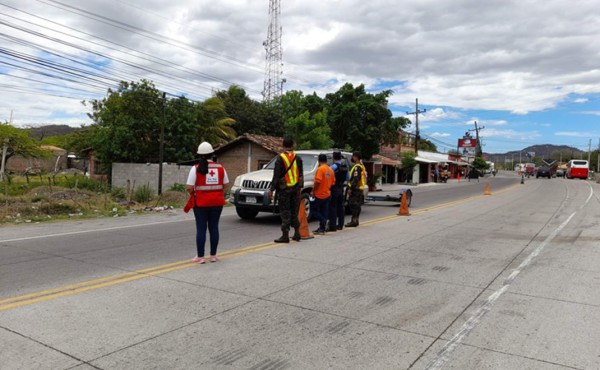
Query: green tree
(127, 124)
(18, 142)
(480, 164)
(309, 132)
(360, 120)
(409, 162)
(427, 145)
(250, 116)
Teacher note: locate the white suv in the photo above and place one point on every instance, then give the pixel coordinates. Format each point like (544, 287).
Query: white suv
(250, 191)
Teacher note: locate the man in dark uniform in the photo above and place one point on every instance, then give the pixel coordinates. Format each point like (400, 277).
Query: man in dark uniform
(336, 206)
(358, 181)
(288, 179)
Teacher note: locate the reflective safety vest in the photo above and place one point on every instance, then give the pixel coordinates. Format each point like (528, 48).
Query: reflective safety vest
(363, 175)
(209, 188)
(291, 176)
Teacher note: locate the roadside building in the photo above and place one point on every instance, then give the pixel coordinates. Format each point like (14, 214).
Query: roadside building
(248, 152)
(55, 162)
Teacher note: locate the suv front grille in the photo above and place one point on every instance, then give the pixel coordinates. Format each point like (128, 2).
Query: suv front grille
(250, 184)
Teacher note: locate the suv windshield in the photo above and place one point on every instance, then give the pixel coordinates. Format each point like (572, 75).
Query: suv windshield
(308, 162)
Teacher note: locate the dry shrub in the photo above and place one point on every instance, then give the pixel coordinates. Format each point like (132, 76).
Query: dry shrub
(173, 198)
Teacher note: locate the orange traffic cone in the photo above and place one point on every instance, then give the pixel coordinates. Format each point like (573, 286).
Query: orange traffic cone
(487, 189)
(404, 206)
(304, 231)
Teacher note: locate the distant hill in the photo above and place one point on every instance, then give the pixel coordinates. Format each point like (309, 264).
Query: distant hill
(544, 151)
(51, 130)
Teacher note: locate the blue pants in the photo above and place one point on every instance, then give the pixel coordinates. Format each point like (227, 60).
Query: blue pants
(336, 209)
(207, 217)
(321, 211)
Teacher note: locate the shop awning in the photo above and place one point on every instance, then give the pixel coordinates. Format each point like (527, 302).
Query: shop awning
(425, 160)
(386, 161)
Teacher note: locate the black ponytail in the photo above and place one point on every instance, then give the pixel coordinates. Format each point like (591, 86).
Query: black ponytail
(203, 165)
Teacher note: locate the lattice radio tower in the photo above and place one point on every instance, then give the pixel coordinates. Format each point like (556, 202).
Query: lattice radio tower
(273, 86)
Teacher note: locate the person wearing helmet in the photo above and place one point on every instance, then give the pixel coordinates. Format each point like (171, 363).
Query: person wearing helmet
(205, 184)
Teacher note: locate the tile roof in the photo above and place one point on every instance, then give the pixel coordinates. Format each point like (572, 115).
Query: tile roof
(272, 143)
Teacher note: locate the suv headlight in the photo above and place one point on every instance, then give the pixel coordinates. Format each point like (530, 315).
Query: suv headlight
(238, 181)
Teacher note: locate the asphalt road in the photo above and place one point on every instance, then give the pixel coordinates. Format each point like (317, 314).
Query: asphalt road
(467, 282)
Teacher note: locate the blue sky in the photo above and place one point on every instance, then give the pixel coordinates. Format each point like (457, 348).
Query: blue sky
(572, 122)
(527, 71)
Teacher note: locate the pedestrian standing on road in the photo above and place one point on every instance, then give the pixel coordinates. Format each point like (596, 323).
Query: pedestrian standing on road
(436, 174)
(205, 184)
(324, 179)
(336, 204)
(288, 179)
(356, 185)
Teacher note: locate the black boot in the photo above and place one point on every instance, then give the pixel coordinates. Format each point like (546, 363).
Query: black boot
(284, 238)
(296, 236)
(353, 222)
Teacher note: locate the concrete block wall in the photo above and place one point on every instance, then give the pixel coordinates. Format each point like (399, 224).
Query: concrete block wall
(235, 160)
(147, 174)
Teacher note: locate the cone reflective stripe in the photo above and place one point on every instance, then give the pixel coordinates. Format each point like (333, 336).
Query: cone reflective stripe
(487, 189)
(304, 231)
(404, 206)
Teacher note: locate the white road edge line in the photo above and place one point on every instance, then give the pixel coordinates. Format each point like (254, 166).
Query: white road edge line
(90, 231)
(444, 354)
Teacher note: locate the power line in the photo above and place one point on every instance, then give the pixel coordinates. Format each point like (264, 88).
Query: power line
(148, 34)
(149, 57)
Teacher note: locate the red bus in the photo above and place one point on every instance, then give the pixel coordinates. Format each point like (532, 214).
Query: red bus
(578, 168)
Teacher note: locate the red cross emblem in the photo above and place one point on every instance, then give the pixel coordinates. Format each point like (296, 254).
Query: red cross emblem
(212, 172)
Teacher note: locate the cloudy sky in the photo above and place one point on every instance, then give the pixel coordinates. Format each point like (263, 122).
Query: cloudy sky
(528, 71)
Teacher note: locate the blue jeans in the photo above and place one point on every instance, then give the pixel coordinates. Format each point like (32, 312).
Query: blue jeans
(207, 217)
(321, 211)
(336, 209)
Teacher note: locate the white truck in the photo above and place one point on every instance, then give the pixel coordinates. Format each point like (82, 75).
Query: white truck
(250, 191)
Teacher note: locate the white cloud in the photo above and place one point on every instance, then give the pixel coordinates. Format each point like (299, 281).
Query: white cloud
(510, 134)
(463, 54)
(577, 134)
(488, 122)
(592, 112)
(440, 134)
(581, 100)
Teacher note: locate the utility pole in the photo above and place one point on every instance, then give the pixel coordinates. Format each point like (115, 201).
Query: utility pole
(478, 150)
(161, 144)
(416, 113)
(598, 157)
(589, 152)
(4, 150)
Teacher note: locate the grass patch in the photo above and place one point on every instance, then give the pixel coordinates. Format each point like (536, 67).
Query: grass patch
(61, 197)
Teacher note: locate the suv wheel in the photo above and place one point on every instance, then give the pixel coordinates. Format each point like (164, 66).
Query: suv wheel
(305, 201)
(246, 213)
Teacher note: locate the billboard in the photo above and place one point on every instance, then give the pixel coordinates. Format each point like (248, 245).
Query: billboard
(467, 146)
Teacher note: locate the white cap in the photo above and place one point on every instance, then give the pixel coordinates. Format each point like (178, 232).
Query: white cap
(205, 148)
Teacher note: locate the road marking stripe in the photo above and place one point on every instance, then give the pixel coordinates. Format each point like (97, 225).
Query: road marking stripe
(90, 231)
(444, 354)
(143, 272)
(85, 286)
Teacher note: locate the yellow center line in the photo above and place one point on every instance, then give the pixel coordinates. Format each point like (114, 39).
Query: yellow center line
(108, 281)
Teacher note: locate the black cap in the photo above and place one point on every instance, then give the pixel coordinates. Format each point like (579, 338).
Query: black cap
(337, 155)
(322, 158)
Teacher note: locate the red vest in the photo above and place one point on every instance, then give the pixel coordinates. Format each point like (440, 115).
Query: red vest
(209, 187)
